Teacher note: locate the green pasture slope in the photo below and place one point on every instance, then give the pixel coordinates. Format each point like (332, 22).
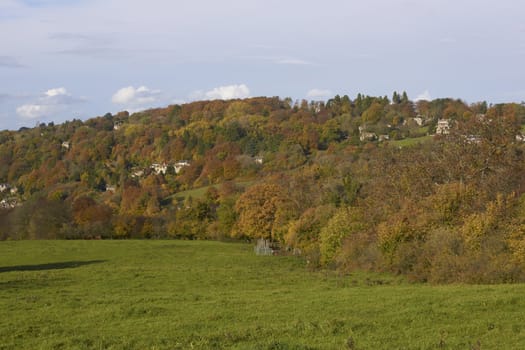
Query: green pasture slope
(210, 295)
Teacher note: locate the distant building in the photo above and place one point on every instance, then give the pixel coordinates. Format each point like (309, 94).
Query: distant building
(180, 164)
(4, 187)
(258, 160)
(137, 173)
(111, 188)
(473, 139)
(159, 168)
(117, 124)
(365, 135)
(66, 144)
(9, 203)
(443, 127)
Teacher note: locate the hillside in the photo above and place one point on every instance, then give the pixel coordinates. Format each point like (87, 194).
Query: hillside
(350, 183)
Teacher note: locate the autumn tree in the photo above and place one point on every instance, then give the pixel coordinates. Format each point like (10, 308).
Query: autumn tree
(92, 218)
(344, 223)
(261, 209)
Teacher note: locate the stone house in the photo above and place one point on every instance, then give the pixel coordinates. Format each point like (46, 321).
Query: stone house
(443, 127)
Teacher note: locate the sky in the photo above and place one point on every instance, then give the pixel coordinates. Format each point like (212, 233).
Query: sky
(75, 59)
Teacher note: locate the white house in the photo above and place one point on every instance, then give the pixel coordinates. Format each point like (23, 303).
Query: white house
(180, 164)
(159, 168)
(66, 144)
(4, 187)
(9, 203)
(443, 127)
(117, 124)
(258, 160)
(365, 135)
(137, 173)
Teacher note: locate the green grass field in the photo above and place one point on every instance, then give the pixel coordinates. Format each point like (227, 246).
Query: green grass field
(211, 295)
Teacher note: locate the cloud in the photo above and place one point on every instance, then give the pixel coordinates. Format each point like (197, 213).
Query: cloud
(48, 103)
(227, 92)
(56, 92)
(424, 96)
(9, 62)
(135, 97)
(318, 93)
(35, 111)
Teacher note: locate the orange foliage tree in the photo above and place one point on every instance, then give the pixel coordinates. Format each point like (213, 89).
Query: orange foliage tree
(261, 210)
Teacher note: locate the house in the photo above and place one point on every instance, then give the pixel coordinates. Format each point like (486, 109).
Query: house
(117, 124)
(473, 139)
(14, 190)
(419, 121)
(384, 137)
(9, 203)
(443, 127)
(111, 188)
(159, 168)
(179, 165)
(258, 160)
(137, 173)
(4, 187)
(365, 135)
(66, 144)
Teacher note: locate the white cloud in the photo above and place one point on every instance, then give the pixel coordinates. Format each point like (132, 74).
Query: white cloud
(226, 92)
(135, 96)
(424, 96)
(56, 92)
(50, 102)
(319, 93)
(35, 111)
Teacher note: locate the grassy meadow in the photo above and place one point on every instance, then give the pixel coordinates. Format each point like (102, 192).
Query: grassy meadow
(212, 295)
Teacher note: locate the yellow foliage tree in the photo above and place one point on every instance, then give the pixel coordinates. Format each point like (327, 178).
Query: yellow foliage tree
(261, 210)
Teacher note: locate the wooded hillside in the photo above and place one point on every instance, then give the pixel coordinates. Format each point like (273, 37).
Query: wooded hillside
(432, 189)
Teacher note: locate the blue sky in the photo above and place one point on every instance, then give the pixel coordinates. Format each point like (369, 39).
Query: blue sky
(65, 59)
